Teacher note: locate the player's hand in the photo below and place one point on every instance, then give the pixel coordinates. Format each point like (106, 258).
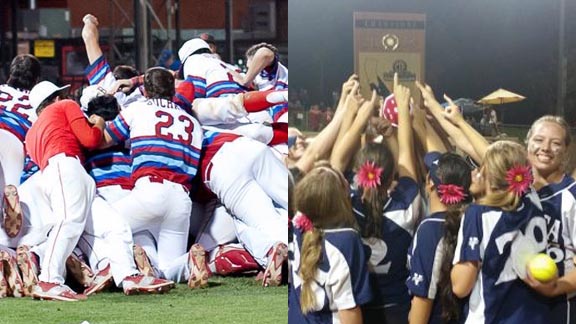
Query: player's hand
(452, 113)
(97, 121)
(90, 19)
(382, 126)
(401, 94)
(353, 99)
(124, 85)
(90, 29)
(427, 94)
(348, 86)
(547, 289)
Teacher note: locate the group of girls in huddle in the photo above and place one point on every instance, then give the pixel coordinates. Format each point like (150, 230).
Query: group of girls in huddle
(393, 242)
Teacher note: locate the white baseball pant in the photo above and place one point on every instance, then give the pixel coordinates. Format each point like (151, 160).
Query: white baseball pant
(107, 239)
(11, 157)
(251, 185)
(70, 191)
(163, 209)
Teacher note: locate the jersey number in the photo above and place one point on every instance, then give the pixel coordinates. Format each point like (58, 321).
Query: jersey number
(536, 235)
(165, 128)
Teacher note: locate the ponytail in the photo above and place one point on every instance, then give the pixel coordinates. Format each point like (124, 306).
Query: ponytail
(309, 261)
(449, 301)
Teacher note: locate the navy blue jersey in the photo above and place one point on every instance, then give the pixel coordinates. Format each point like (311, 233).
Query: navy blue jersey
(426, 258)
(341, 279)
(486, 236)
(559, 204)
(388, 258)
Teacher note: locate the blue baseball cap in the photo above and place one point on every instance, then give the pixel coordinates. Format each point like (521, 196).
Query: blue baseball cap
(431, 161)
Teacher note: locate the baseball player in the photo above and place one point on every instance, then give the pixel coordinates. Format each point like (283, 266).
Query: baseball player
(250, 191)
(165, 150)
(16, 117)
(55, 143)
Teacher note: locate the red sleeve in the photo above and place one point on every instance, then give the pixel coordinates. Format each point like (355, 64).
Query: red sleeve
(90, 137)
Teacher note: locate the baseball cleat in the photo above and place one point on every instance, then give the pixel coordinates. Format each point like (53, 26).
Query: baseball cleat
(276, 258)
(102, 280)
(11, 274)
(199, 272)
(3, 282)
(145, 284)
(79, 270)
(29, 267)
(12, 212)
(53, 291)
(230, 259)
(142, 261)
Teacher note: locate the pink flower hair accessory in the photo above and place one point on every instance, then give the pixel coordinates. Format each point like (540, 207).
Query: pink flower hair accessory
(303, 223)
(450, 194)
(368, 176)
(519, 179)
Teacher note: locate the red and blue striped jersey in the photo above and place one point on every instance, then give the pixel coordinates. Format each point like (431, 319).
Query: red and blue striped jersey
(165, 141)
(97, 71)
(109, 167)
(16, 113)
(211, 77)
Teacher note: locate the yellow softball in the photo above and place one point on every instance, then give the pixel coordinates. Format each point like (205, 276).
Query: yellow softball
(542, 267)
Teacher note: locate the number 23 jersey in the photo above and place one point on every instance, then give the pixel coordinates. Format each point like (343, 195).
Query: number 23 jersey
(165, 140)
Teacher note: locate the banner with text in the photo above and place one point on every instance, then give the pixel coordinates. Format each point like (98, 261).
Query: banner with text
(385, 43)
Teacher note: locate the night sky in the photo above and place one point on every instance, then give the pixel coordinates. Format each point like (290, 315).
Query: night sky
(472, 47)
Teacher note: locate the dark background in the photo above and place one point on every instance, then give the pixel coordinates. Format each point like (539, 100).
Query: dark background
(472, 49)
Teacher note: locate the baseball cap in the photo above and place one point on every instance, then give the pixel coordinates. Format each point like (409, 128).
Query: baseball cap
(389, 110)
(190, 47)
(431, 161)
(89, 93)
(42, 91)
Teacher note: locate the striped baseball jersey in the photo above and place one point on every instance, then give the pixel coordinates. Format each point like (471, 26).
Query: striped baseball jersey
(100, 73)
(211, 77)
(165, 141)
(489, 236)
(341, 281)
(16, 113)
(559, 204)
(425, 258)
(112, 166)
(389, 254)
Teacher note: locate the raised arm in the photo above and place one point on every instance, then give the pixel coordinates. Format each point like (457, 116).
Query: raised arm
(351, 103)
(455, 133)
(90, 35)
(322, 144)
(478, 142)
(345, 149)
(261, 59)
(433, 141)
(406, 166)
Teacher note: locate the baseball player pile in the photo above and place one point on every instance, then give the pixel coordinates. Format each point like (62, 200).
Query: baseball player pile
(149, 180)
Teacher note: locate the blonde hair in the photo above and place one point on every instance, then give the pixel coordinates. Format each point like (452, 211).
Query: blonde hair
(500, 157)
(559, 120)
(322, 195)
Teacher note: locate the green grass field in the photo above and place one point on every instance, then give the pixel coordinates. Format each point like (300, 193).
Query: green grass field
(227, 300)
